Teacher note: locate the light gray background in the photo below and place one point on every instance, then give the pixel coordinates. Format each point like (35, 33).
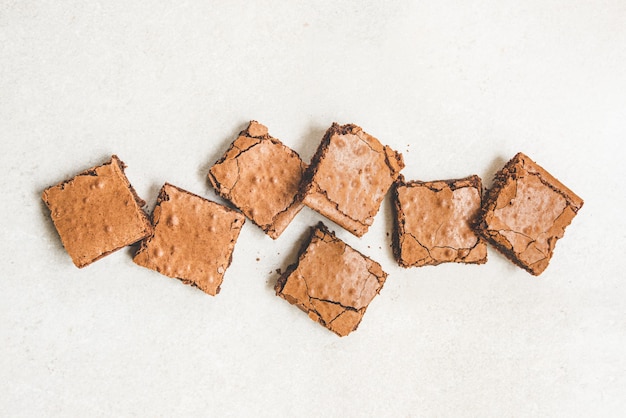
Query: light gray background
(457, 87)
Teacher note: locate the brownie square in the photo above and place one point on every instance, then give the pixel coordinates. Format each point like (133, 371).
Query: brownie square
(260, 176)
(349, 177)
(526, 212)
(97, 212)
(193, 239)
(331, 282)
(433, 222)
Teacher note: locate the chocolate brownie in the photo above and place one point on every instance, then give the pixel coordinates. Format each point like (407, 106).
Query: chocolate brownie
(331, 282)
(433, 222)
(260, 176)
(349, 177)
(526, 212)
(97, 212)
(193, 239)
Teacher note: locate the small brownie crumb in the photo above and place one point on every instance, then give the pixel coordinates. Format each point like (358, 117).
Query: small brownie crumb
(526, 212)
(331, 282)
(193, 239)
(260, 176)
(349, 176)
(97, 212)
(433, 222)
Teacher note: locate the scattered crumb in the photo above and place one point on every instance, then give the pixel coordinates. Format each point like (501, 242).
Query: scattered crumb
(279, 271)
(258, 259)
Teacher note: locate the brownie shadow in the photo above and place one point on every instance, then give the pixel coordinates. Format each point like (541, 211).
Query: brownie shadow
(309, 143)
(290, 258)
(148, 208)
(51, 230)
(390, 223)
(215, 155)
(488, 174)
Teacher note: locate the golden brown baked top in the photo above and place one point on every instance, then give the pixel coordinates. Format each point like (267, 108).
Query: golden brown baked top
(526, 212)
(260, 176)
(193, 239)
(97, 212)
(349, 177)
(434, 222)
(332, 282)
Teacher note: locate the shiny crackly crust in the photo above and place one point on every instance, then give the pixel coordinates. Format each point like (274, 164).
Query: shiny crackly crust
(260, 176)
(97, 212)
(331, 282)
(349, 176)
(526, 212)
(433, 222)
(193, 239)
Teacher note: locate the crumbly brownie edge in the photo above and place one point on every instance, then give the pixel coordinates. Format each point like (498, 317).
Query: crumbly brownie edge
(282, 280)
(480, 227)
(154, 220)
(217, 186)
(307, 178)
(453, 184)
(491, 195)
(398, 220)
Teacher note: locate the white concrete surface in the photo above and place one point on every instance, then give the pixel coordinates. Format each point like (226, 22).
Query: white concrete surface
(458, 87)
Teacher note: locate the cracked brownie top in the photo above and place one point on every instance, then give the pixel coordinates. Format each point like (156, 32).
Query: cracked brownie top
(332, 282)
(526, 212)
(433, 222)
(260, 176)
(349, 176)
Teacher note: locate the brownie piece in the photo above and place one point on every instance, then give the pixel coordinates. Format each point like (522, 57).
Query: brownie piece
(260, 176)
(331, 282)
(97, 212)
(349, 177)
(193, 239)
(433, 222)
(526, 212)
